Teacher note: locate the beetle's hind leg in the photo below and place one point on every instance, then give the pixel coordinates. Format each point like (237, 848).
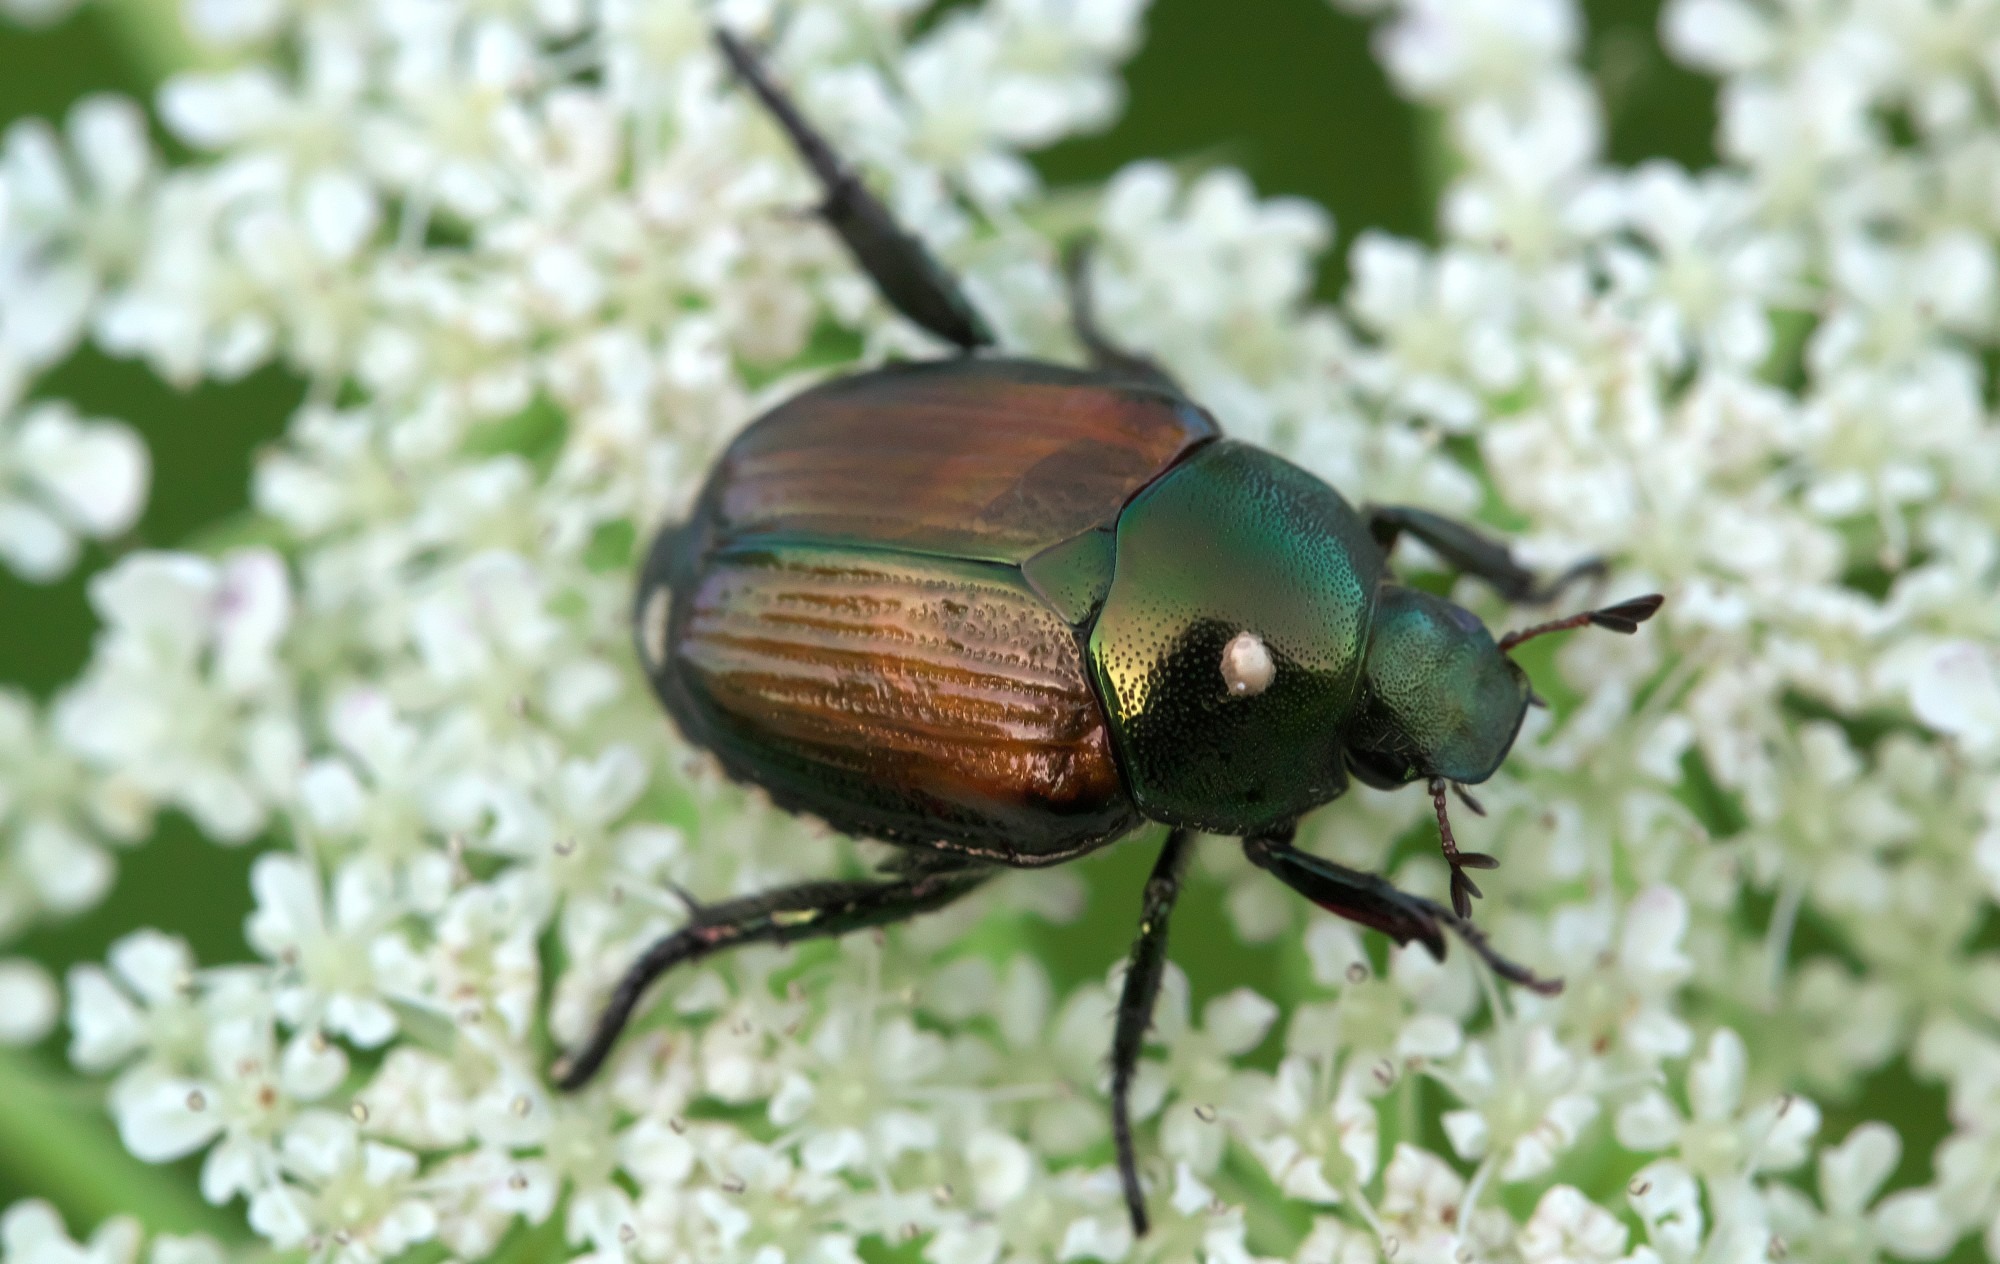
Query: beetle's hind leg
(1103, 352)
(1135, 1009)
(810, 910)
(1475, 553)
(913, 282)
(1374, 901)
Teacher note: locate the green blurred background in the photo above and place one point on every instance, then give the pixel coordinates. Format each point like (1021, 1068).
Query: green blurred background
(1285, 89)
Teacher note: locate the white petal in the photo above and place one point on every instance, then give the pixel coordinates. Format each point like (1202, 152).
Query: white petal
(332, 797)
(1467, 1131)
(311, 1066)
(283, 1214)
(1956, 690)
(253, 609)
(108, 134)
(28, 1001)
(1914, 1225)
(1001, 1168)
(1715, 1079)
(168, 595)
(68, 870)
(33, 543)
(1851, 1172)
(105, 1027)
(1648, 1123)
(341, 214)
(94, 471)
(156, 965)
(169, 1119)
(1238, 1020)
(288, 906)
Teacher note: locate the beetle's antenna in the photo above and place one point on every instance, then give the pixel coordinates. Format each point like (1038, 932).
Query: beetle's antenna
(1463, 889)
(1625, 617)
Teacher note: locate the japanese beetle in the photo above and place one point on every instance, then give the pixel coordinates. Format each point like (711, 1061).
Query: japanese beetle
(1001, 613)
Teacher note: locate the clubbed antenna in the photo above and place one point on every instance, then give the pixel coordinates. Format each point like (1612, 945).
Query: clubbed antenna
(1624, 617)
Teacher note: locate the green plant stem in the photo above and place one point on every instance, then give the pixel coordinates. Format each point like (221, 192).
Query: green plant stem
(58, 1146)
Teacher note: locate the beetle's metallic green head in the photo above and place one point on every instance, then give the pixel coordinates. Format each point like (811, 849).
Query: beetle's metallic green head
(1440, 697)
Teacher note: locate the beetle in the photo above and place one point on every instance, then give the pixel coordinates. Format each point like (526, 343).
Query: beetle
(1002, 613)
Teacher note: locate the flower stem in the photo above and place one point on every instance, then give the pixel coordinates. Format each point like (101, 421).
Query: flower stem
(56, 1146)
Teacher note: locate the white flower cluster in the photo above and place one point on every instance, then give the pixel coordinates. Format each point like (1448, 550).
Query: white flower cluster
(539, 260)
(69, 215)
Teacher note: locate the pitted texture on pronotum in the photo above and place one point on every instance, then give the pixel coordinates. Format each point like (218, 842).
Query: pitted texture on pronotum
(1234, 540)
(1437, 684)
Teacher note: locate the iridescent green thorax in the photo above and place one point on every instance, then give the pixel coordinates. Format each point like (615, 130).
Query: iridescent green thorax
(1442, 700)
(1234, 540)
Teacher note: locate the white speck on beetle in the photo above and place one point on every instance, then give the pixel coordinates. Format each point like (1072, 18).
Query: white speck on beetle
(1247, 668)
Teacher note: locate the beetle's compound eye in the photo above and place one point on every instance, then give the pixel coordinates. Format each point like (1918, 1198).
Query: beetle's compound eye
(1246, 665)
(653, 627)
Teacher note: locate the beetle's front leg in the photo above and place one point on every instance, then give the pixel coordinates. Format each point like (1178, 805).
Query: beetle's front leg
(1374, 901)
(1466, 549)
(1135, 1009)
(902, 268)
(811, 910)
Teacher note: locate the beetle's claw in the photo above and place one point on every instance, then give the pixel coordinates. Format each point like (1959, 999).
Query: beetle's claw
(1463, 892)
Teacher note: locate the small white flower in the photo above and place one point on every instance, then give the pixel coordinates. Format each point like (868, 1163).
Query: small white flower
(186, 696)
(72, 222)
(1667, 1200)
(63, 479)
(353, 1193)
(1322, 1141)
(1423, 1206)
(1719, 1140)
(147, 1002)
(1907, 1225)
(1568, 1228)
(328, 949)
(31, 1232)
(1528, 1100)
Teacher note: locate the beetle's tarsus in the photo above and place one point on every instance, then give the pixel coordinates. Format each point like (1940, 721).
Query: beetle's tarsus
(1625, 618)
(1463, 889)
(1135, 1010)
(905, 274)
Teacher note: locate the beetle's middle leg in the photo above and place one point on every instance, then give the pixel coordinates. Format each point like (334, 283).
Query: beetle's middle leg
(1374, 901)
(902, 268)
(810, 910)
(1135, 1009)
(1474, 552)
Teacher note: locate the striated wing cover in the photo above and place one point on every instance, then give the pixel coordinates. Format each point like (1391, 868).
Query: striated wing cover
(986, 459)
(916, 698)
